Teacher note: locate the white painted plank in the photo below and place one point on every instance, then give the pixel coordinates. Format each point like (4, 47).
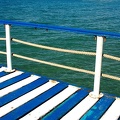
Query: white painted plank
(25, 98)
(113, 112)
(9, 76)
(50, 104)
(79, 110)
(18, 85)
(2, 69)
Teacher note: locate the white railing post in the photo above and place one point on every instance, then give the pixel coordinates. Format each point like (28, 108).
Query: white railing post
(98, 65)
(8, 48)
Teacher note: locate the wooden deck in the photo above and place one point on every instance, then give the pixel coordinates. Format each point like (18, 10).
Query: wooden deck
(24, 96)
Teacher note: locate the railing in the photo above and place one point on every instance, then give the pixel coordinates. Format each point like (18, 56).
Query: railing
(100, 37)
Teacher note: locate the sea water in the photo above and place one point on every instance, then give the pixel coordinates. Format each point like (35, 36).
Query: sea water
(87, 14)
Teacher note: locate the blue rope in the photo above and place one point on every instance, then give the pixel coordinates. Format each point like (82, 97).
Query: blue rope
(62, 28)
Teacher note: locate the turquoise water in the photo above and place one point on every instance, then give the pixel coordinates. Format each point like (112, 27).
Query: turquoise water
(88, 14)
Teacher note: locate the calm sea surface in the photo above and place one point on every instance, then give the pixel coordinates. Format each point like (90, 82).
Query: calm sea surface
(88, 14)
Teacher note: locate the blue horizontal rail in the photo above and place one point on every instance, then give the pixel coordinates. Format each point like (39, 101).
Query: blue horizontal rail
(62, 28)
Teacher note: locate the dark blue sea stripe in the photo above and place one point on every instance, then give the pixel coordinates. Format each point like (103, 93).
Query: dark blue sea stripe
(66, 106)
(3, 73)
(21, 91)
(32, 104)
(14, 80)
(96, 112)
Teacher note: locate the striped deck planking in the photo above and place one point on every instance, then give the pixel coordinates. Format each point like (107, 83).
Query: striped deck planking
(24, 96)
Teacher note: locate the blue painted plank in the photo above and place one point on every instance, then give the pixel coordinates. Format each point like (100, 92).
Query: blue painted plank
(3, 74)
(66, 106)
(14, 80)
(1, 65)
(21, 91)
(98, 109)
(32, 104)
